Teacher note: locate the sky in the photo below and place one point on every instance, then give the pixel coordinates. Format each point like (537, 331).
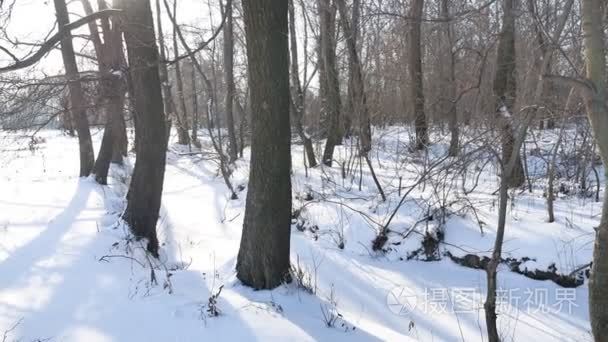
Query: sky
(32, 20)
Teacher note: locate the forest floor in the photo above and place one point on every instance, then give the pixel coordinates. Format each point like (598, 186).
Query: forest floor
(70, 272)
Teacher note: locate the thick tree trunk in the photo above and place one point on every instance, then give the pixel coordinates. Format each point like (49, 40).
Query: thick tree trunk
(146, 186)
(505, 90)
(77, 101)
(597, 110)
(263, 259)
(229, 80)
(297, 93)
(331, 94)
(415, 66)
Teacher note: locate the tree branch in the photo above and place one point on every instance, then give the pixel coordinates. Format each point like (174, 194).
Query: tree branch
(56, 38)
(202, 45)
(584, 86)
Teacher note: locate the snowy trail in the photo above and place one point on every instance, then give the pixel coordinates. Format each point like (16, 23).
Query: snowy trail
(54, 228)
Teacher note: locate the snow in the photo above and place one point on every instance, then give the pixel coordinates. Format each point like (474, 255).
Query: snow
(70, 272)
(504, 111)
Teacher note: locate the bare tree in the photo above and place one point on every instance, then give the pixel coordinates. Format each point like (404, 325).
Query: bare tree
(348, 108)
(263, 259)
(169, 106)
(449, 76)
(297, 92)
(330, 89)
(145, 190)
(509, 163)
(595, 96)
(112, 91)
(358, 96)
(415, 71)
(195, 109)
(211, 103)
(229, 80)
(505, 89)
(77, 101)
(182, 115)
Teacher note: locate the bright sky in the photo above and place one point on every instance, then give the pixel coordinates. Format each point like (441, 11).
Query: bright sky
(32, 20)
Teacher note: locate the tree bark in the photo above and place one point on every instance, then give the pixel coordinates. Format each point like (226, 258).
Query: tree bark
(491, 268)
(195, 109)
(114, 42)
(415, 68)
(263, 259)
(110, 59)
(145, 190)
(182, 115)
(297, 93)
(169, 106)
(597, 110)
(229, 80)
(211, 103)
(331, 89)
(359, 97)
(449, 77)
(77, 102)
(505, 89)
(348, 116)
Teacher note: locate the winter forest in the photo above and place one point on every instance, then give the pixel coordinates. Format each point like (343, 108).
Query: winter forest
(304, 170)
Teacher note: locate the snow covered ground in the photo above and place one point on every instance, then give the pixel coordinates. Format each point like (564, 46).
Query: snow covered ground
(70, 272)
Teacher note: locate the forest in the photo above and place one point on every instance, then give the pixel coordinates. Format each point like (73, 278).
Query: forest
(308, 170)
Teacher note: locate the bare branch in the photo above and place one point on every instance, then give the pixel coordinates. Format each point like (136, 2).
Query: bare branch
(203, 45)
(49, 44)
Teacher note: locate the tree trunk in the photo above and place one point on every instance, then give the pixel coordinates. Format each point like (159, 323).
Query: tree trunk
(211, 103)
(146, 186)
(415, 66)
(510, 162)
(348, 116)
(77, 101)
(169, 106)
(195, 114)
(491, 268)
(595, 103)
(119, 128)
(110, 59)
(449, 77)
(229, 79)
(359, 97)
(118, 87)
(297, 93)
(182, 115)
(263, 259)
(505, 90)
(331, 94)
